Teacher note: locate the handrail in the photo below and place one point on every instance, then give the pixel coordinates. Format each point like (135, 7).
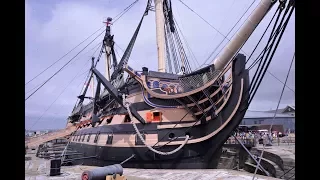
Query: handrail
(248, 141)
(287, 172)
(251, 140)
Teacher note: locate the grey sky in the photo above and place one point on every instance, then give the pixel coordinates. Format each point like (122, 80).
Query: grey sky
(55, 27)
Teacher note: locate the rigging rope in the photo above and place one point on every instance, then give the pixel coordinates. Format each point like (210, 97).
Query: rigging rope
(271, 39)
(71, 63)
(58, 96)
(123, 52)
(227, 35)
(173, 49)
(127, 53)
(257, 59)
(63, 56)
(202, 18)
(86, 78)
(274, 116)
(61, 68)
(167, 52)
(290, 5)
(183, 57)
(186, 42)
(123, 60)
(124, 11)
(281, 82)
(172, 35)
(266, 48)
(254, 63)
(127, 104)
(229, 40)
(176, 124)
(263, 33)
(121, 14)
(188, 111)
(192, 125)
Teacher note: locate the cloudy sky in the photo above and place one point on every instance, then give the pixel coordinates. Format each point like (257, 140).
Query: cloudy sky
(55, 27)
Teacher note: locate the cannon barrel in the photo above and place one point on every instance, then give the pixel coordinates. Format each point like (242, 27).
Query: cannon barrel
(102, 172)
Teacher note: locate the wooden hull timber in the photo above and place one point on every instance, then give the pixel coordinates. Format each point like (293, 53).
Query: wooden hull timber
(201, 151)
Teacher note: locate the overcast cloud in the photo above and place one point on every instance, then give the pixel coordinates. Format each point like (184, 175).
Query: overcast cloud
(55, 27)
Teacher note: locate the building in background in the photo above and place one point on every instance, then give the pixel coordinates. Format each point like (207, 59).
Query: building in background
(30, 133)
(285, 117)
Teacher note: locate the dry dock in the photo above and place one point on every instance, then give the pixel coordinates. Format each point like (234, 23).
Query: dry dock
(38, 169)
(279, 160)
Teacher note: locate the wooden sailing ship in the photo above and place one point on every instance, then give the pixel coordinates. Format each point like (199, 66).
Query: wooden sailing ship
(160, 119)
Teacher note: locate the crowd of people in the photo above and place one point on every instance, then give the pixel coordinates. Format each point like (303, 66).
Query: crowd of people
(256, 137)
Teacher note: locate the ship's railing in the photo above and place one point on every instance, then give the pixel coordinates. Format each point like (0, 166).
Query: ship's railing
(252, 141)
(284, 140)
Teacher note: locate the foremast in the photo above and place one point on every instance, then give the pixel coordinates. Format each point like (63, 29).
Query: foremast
(108, 45)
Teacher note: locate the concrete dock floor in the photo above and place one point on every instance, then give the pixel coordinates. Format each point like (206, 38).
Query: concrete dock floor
(38, 169)
(74, 173)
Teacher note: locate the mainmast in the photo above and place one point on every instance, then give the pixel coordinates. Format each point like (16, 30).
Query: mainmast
(243, 34)
(108, 45)
(160, 35)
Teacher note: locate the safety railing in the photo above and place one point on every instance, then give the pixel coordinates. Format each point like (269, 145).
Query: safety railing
(286, 173)
(252, 141)
(245, 141)
(284, 141)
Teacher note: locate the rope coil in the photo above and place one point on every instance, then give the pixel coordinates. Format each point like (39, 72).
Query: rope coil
(126, 104)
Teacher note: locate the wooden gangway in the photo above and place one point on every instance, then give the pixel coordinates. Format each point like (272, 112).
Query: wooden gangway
(36, 141)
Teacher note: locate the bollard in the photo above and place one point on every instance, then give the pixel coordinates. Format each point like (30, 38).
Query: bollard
(55, 166)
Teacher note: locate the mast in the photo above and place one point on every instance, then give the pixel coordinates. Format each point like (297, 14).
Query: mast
(243, 34)
(92, 86)
(107, 44)
(107, 64)
(160, 35)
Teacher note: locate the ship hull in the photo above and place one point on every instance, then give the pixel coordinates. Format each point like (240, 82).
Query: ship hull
(201, 152)
(144, 158)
